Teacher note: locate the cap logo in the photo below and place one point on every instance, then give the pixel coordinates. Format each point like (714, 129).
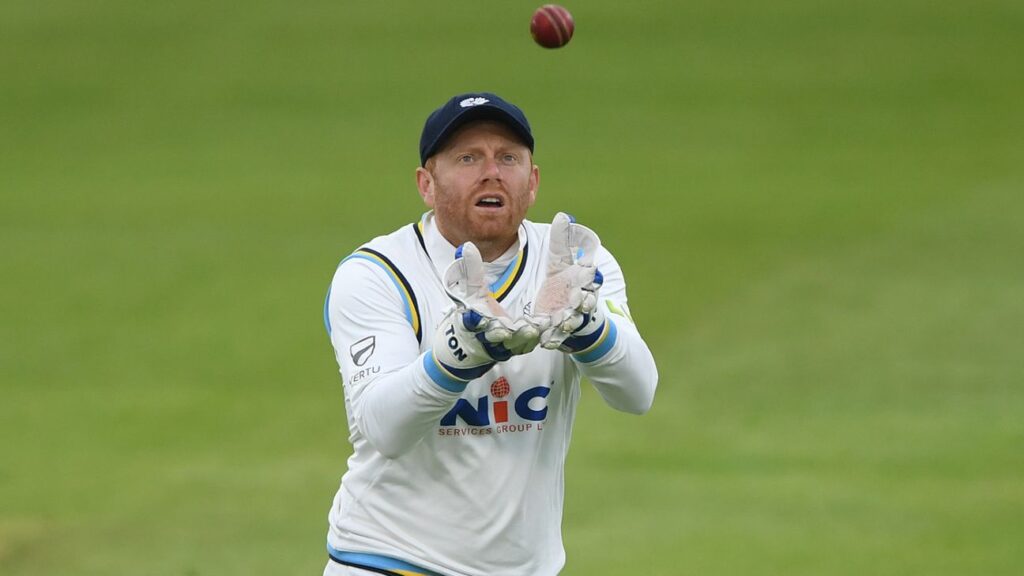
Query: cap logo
(468, 102)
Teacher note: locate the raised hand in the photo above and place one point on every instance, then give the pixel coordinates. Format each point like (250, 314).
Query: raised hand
(566, 311)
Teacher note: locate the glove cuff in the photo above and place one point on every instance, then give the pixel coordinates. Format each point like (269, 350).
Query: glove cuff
(449, 377)
(585, 336)
(458, 354)
(600, 343)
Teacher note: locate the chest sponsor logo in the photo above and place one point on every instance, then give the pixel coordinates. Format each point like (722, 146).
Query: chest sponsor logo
(362, 350)
(499, 412)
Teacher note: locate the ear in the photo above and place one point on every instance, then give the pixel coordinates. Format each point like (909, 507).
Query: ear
(425, 184)
(534, 183)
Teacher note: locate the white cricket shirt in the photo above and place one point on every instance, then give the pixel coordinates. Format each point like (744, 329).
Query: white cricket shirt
(461, 481)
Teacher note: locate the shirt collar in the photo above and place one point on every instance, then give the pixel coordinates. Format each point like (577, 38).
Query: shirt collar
(498, 273)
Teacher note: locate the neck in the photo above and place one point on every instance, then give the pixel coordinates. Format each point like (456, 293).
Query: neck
(492, 250)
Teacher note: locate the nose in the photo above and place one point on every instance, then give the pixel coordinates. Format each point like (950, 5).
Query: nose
(491, 169)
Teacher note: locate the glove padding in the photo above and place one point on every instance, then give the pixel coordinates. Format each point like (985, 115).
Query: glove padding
(566, 311)
(477, 332)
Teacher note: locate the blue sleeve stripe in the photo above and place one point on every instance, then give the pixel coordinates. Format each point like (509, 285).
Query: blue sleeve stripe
(376, 562)
(327, 311)
(440, 376)
(602, 346)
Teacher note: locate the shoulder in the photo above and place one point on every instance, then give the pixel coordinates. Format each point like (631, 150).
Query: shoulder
(378, 263)
(381, 275)
(389, 249)
(395, 244)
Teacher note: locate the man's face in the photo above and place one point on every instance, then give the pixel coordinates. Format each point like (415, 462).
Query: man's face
(480, 186)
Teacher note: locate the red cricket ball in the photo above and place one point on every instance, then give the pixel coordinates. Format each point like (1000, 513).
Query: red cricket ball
(552, 26)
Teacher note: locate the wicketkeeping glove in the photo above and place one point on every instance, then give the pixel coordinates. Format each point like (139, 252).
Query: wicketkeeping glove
(477, 332)
(567, 310)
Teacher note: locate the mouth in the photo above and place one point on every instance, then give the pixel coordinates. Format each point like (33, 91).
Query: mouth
(490, 202)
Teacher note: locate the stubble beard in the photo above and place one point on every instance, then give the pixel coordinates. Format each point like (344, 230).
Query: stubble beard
(493, 234)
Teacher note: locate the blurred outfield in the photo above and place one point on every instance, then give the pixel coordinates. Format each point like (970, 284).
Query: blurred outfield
(819, 206)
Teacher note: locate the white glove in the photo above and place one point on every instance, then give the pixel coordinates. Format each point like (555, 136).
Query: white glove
(567, 311)
(477, 332)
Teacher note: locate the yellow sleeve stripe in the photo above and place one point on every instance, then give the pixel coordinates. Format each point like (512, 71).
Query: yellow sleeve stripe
(502, 286)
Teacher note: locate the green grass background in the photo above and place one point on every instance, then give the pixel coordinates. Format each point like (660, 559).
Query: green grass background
(819, 205)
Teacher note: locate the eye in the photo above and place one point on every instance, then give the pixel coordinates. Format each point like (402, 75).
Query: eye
(464, 159)
(509, 159)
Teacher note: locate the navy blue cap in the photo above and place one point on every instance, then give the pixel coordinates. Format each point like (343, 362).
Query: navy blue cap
(463, 108)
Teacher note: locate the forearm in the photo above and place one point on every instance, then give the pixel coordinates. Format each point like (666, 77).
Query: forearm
(396, 410)
(391, 401)
(624, 373)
